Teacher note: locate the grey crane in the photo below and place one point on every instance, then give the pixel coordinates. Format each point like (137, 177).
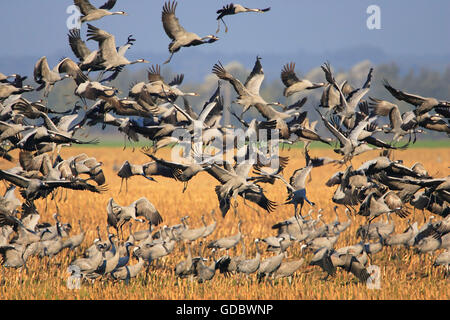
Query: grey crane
(10, 130)
(9, 202)
(395, 203)
(355, 249)
(402, 238)
(288, 268)
(5, 233)
(88, 60)
(109, 264)
(175, 230)
(190, 235)
(349, 146)
(210, 228)
(443, 259)
(156, 89)
(184, 268)
(141, 234)
(293, 226)
(119, 215)
(340, 227)
(375, 247)
(420, 170)
(331, 97)
(4, 78)
(373, 207)
(249, 266)
(232, 9)
(227, 243)
(235, 182)
(127, 170)
(16, 255)
(76, 240)
(152, 251)
(430, 244)
(322, 259)
(85, 88)
(91, 13)
(34, 188)
(227, 264)
(373, 230)
(30, 216)
(149, 95)
(24, 236)
(442, 227)
(45, 76)
(248, 93)
(347, 106)
(110, 245)
(205, 272)
(279, 243)
(322, 242)
(111, 57)
(297, 188)
(329, 260)
(92, 249)
(269, 265)
(271, 115)
(293, 84)
(400, 125)
(180, 37)
(181, 172)
(422, 104)
(90, 264)
(7, 90)
(82, 164)
(126, 273)
(52, 246)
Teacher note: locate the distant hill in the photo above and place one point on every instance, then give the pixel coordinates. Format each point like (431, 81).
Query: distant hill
(196, 64)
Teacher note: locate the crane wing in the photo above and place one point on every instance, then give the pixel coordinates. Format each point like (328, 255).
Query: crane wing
(220, 72)
(106, 42)
(85, 6)
(404, 96)
(108, 5)
(170, 22)
(78, 46)
(288, 76)
(19, 181)
(255, 78)
(147, 210)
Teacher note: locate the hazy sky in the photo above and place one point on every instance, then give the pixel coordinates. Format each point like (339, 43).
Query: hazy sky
(415, 27)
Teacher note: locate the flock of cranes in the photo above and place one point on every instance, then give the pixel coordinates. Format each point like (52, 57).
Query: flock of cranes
(379, 189)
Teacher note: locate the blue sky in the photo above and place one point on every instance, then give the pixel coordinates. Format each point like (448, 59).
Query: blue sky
(416, 27)
(413, 34)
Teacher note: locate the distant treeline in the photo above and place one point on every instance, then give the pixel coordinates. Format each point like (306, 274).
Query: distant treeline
(426, 82)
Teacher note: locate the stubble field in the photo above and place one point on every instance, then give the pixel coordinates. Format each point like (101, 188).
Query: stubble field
(404, 274)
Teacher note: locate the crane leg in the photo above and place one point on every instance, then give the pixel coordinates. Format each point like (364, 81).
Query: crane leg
(218, 26)
(236, 212)
(256, 210)
(121, 183)
(168, 60)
